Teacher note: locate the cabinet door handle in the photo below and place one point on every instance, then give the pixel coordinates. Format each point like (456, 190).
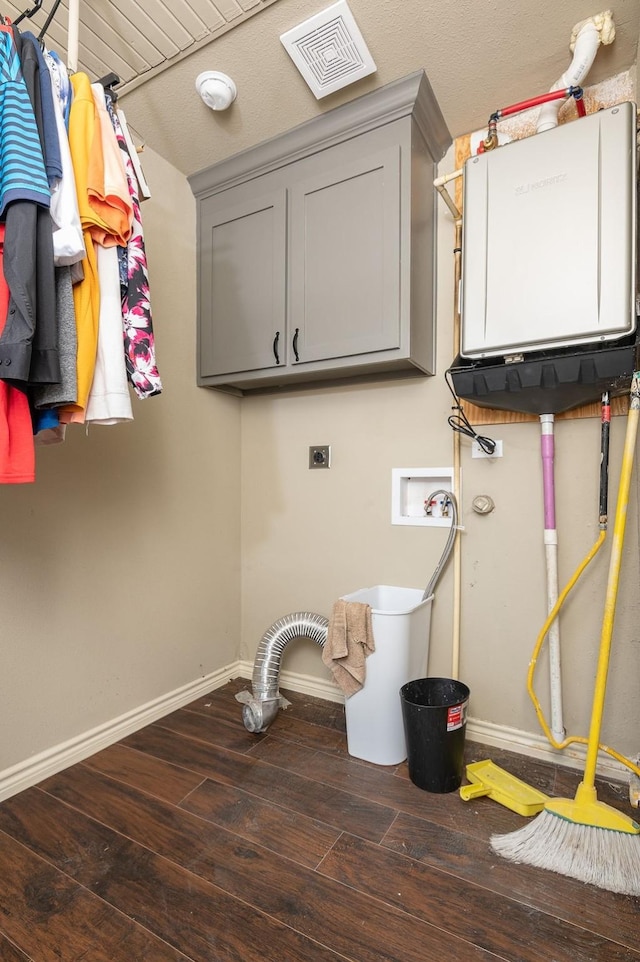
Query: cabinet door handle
(275, 347)
(295, 344)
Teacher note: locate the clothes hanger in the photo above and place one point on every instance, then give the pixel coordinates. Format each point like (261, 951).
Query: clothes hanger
(48, 20)
(109, 82)
(29, 13)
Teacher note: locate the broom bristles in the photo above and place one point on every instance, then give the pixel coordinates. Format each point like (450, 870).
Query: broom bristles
(598, 856)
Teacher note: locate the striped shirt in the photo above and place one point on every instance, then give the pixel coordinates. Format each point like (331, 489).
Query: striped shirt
(22, 171)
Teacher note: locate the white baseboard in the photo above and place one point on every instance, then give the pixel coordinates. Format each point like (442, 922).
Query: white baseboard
(305, 684)
(55, 759)
(41, 766)
(532, 744)
(535, 745)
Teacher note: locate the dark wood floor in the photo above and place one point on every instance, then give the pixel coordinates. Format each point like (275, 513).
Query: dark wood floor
(193, 839)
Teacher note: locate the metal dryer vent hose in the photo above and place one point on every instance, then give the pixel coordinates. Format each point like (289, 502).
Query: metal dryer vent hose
(260, 710)
(258, 713)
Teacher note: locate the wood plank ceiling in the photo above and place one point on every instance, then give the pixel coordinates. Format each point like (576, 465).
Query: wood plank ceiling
(137, 39)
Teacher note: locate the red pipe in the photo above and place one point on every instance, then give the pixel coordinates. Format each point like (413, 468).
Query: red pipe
(534, 102)
(491, 140)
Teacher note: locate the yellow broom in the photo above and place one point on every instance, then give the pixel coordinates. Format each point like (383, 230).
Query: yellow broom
(582, 837)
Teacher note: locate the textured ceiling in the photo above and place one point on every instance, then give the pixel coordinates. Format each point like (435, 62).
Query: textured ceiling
(479, 56)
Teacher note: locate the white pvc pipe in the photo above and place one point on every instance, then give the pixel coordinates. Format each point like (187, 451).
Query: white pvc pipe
(555, 667)
(585, 40)
(445, 178)
(73, 30)
(440, 185)
(551, 558)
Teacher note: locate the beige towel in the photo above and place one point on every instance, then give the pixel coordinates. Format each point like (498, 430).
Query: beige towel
(349, 641)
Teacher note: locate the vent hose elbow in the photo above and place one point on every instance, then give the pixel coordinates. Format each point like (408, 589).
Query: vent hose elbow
(258, 715)
(260, 711)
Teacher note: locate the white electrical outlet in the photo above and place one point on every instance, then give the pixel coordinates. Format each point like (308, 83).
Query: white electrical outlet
(477, 452)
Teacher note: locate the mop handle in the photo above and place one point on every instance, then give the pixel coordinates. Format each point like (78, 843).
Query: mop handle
(605, 426)
(547, 450)
(613, 581)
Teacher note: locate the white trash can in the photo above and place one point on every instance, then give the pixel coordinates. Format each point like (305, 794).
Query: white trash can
(401, 623)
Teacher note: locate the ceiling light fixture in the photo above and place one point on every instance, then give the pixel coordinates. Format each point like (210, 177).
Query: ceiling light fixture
(217, 90)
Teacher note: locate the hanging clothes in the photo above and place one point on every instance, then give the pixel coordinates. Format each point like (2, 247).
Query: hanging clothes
(28, 351)
(68, 252)
(109, 192)
(75, 319)
(139, 340)
(109, 399)
(49, 133)
(17, 453)
(47, 428)
(68, 242)
(22, 173)
(86, 293)
(61, 84)
(66, 390)
(144, 191)
(108, 220)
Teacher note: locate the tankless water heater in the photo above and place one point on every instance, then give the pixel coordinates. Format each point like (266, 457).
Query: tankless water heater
(549, 239)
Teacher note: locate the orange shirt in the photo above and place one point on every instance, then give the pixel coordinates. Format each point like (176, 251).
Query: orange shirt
(109, 195)
(105, 208)
(83, 139)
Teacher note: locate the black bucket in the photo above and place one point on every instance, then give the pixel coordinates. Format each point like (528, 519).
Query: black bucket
(434, 714)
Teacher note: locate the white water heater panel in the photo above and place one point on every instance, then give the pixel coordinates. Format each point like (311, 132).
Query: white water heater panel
(549, 238)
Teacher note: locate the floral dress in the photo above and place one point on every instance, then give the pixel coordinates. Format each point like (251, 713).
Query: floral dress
(139, 344)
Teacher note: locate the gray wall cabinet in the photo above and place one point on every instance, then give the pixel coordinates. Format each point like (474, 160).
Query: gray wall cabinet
(316, 248)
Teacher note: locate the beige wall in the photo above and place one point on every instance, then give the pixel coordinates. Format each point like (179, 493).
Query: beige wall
(148, 555)
(120, 565)
(310, 536)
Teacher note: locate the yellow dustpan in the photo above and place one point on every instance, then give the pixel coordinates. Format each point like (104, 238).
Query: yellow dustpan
(489, 779)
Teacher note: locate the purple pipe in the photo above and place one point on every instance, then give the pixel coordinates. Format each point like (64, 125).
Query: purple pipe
(548, 482)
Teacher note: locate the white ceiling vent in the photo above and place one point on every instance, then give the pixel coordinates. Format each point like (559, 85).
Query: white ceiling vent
(329, 50)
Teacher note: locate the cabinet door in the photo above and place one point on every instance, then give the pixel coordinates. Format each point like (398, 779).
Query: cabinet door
(345, 256)
(242, 281)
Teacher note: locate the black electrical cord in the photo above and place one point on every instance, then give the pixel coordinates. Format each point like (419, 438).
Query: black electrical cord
(460, 423)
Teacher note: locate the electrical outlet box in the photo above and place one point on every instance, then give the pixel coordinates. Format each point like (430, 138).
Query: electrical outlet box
(320, 456)
(478, 452)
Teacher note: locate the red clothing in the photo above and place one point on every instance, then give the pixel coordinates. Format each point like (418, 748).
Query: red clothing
(17, 449)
